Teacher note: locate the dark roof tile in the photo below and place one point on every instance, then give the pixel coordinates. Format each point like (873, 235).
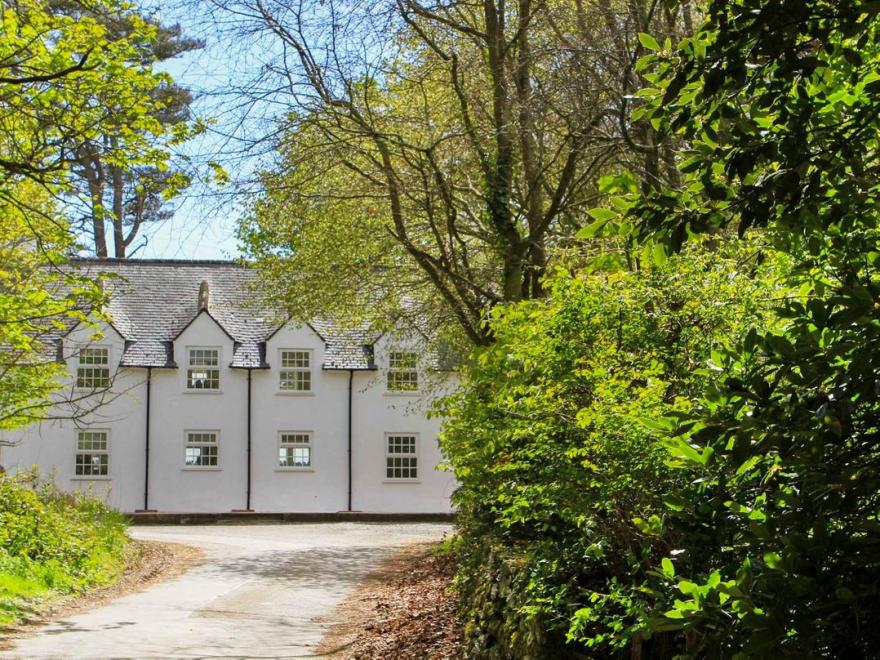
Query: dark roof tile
(152, 301)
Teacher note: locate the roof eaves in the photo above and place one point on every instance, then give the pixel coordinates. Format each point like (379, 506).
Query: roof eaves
(324, 367)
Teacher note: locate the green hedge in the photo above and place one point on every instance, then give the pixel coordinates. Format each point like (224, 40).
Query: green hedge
(559, 438)
(53, 543)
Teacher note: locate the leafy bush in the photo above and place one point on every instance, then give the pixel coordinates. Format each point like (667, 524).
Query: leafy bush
(777, 103)
(53, 542)
(560, 439)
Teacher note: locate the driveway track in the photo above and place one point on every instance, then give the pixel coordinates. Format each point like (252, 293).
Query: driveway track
(262, 591)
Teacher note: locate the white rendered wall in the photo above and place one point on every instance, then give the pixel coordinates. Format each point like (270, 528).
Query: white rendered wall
(174, 410)
(377, 413)
(174, 487)
(51, 444)
(321, 412)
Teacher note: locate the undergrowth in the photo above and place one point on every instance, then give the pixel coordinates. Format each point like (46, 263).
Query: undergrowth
(53, 543)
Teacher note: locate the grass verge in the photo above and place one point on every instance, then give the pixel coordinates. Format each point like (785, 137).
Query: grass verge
(53, 544)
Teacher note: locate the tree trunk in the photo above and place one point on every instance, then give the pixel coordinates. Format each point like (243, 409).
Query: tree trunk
(118, 181)
(95, 179)
(534, 202)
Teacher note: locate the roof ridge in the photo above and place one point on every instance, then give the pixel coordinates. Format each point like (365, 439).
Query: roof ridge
(161, 262)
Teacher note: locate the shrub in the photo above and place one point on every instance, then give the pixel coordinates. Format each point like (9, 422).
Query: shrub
(53, 542)
(559, 438)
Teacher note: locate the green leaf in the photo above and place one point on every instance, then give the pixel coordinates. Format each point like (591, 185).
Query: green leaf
(603, 213)
(667, 567)
(773, 560)
(648, 41)
(592, 230)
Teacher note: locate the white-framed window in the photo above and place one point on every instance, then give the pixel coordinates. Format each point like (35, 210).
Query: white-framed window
(296, 370)
(403, 373)
(295, 450)
(202, 449)
(203, 368)
(92, 453)
(93, 368)
(401, 456)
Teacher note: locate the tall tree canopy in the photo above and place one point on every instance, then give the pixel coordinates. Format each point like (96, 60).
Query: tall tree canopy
(437, 153)
(750, 530)
(65, 77)
(125, 196)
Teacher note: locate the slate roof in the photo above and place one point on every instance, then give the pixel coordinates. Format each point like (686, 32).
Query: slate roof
(151, 301)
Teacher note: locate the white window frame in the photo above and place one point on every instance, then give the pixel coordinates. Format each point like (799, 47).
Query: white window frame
(310, 445)
(191, 367)
(401, 455)
(395, 371)
(93, 367)
(295, 371)
(91, 451)
(201, 443)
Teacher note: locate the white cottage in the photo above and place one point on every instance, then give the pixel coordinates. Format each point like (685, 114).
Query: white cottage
(210, 404)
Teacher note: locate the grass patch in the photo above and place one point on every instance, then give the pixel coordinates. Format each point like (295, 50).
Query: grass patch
(448, 547)
(53, 544)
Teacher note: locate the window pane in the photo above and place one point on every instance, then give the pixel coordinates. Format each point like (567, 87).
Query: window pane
(401, 462)
(204, 357)
(94, 356)
(295, 438)
(295, 450)
(289, 456)
(403, 380)
(94, 465)
(295, 374)
(92, 377)
(402, 360)
(201, 456)
(92, 440)
(296, 359)
(299, 381)
(92, 458)
(403, 375)
(203, 379)
(201, 449)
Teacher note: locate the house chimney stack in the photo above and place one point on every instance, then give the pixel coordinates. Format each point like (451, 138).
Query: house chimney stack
(204, 296)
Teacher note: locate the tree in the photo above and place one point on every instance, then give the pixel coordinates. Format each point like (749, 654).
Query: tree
(56, 71)
(450, 146)
(128, 196)
(778, 100)
(39, 300)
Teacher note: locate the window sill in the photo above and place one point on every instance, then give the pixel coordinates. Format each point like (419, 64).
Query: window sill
(401, 481)
(401, 393)
(293, 393)
(294, 469)
(83, 478)
(201, 469)
(189, 391)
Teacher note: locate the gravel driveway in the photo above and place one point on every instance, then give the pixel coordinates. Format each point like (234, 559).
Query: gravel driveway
(262, 591)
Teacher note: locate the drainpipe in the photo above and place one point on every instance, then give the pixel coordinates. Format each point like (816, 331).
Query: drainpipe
(248, 499)
(147, 444)
(350, 384)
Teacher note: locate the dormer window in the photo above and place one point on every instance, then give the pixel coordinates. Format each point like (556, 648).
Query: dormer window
(203, 369)
(93, 368)
(403, 374)
(296, 370)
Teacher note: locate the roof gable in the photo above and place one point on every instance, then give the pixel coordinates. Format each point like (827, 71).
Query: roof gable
(195, 318)
(156, 300)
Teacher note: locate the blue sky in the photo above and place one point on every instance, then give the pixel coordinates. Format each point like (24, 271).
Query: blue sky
(203, 226)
